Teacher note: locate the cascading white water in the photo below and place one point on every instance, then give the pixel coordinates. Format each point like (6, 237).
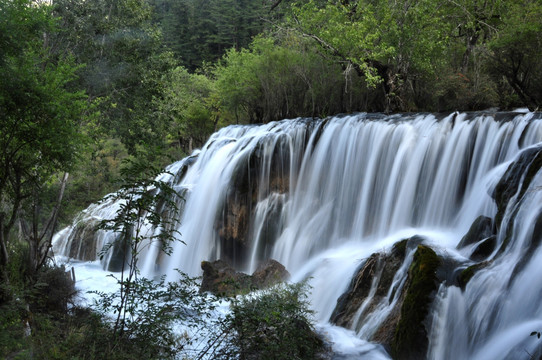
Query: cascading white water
(355, 185)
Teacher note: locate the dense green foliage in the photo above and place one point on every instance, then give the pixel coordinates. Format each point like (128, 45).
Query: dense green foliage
(124, 62)
(316, 58)
(39, 122)
(269, 324)
(200, 31)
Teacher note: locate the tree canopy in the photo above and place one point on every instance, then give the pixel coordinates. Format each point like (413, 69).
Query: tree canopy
(40, 111)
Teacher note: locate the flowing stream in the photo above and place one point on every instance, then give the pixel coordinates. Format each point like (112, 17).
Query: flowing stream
(320, 196)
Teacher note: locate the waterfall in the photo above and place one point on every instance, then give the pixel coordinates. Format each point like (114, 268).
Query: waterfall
(321, 196)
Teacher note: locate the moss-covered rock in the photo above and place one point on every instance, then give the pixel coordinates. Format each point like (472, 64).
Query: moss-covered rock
(410, 340)
(468, 273)
(377, 271)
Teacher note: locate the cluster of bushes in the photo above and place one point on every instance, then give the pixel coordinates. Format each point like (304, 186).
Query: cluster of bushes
(273, 324)
(45, 322)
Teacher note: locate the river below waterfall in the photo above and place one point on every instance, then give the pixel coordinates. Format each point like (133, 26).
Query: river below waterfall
(323, 196)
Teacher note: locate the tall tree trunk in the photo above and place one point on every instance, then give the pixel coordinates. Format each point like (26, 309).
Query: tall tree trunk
(49, 231)
(39, 243)
(4, 256)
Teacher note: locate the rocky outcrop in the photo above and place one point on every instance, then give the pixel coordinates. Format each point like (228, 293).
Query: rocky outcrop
(516, 180)
(262, 174)
(220, 278)
(410, 339)
(480, 229)
(378, 267)
(404, 331)
(482, 236)
(269, 273)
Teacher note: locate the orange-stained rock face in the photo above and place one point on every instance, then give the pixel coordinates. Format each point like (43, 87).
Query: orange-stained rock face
(256, 179)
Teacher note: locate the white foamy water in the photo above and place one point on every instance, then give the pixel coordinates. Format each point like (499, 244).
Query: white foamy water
(355, 185)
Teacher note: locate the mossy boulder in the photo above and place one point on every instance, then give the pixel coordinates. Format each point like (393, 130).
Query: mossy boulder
(404, 331)
(468, 273)
(380, 267)
(378, 270)
(410, 340)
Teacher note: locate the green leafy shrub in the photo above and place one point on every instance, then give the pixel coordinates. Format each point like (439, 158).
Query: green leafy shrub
(151, 313)
(271, 324)
(54, 290)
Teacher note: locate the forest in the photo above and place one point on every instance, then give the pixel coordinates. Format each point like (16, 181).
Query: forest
(90, 87)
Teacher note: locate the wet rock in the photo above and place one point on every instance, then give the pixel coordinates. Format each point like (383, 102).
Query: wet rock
(261, 173)
(484, 249)
(410, 340)
(511, 190)
(360, 286)
(221, 278)
(82, 241)
(269, 273)
(467, 273)
(382, 269)
(533, 244)
(404, 331)
(480, 229)
(119, 253)
(516, 180)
